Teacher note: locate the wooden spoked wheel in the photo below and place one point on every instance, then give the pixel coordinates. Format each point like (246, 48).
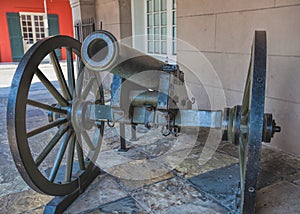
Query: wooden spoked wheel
(51, 155)
(251, 124)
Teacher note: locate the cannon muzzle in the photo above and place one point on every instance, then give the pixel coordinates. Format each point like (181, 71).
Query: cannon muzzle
(102, 52)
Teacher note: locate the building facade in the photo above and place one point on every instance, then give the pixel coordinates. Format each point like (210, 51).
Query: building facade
(23, 22)
(194, 33)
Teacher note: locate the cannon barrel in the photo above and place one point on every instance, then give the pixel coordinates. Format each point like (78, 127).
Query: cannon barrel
(102, 52)
(146, 98)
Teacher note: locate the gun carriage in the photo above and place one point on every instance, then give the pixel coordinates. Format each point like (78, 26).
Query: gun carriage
(144, 91)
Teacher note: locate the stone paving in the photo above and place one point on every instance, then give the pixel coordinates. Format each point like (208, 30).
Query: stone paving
(159, 175)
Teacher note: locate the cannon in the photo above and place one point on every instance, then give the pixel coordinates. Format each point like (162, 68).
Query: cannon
(144, 91)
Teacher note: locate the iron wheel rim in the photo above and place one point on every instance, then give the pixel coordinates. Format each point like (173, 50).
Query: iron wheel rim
(16, 118)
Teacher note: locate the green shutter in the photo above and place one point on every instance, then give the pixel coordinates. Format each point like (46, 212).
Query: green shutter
(15, 35)
(54, 29)
(53, 24)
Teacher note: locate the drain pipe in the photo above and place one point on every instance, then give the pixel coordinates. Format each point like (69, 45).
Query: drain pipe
(46, 19)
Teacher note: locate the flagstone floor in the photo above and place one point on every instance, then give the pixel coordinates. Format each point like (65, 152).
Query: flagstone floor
(187, 174)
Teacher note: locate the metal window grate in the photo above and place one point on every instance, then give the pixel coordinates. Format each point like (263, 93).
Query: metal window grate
(84, 27)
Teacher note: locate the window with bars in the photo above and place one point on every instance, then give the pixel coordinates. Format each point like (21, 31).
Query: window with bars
(33, 27)
(161, 27)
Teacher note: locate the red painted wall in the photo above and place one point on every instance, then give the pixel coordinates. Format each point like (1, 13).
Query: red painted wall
(60, 7)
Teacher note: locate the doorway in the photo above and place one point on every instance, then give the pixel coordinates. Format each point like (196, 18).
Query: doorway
(32, 27)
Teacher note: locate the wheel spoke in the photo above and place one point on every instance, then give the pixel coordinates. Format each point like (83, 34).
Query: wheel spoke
(62, 101)
(100, 93)
(70, 158)
(245, 102)
(88, 140)
(87, 88)
(98, 135)
(80, 152)
(46, 107)
(57, 153)
(51, 145)
(98, 78)
(80, 77)
(79, 84)
(59, 156)
(242, 166)
(46, 127)
(60, 76)
(80, 66)
(71, 76)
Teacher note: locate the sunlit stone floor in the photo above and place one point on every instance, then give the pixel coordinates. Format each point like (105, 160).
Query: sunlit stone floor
(160, 175)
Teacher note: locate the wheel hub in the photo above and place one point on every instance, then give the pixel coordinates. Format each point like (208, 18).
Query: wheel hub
(53, 116)
(80, 115)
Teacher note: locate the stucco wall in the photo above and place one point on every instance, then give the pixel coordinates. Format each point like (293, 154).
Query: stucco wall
(223, 32)
(59, 7)
(115, 16)
(82, 9)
